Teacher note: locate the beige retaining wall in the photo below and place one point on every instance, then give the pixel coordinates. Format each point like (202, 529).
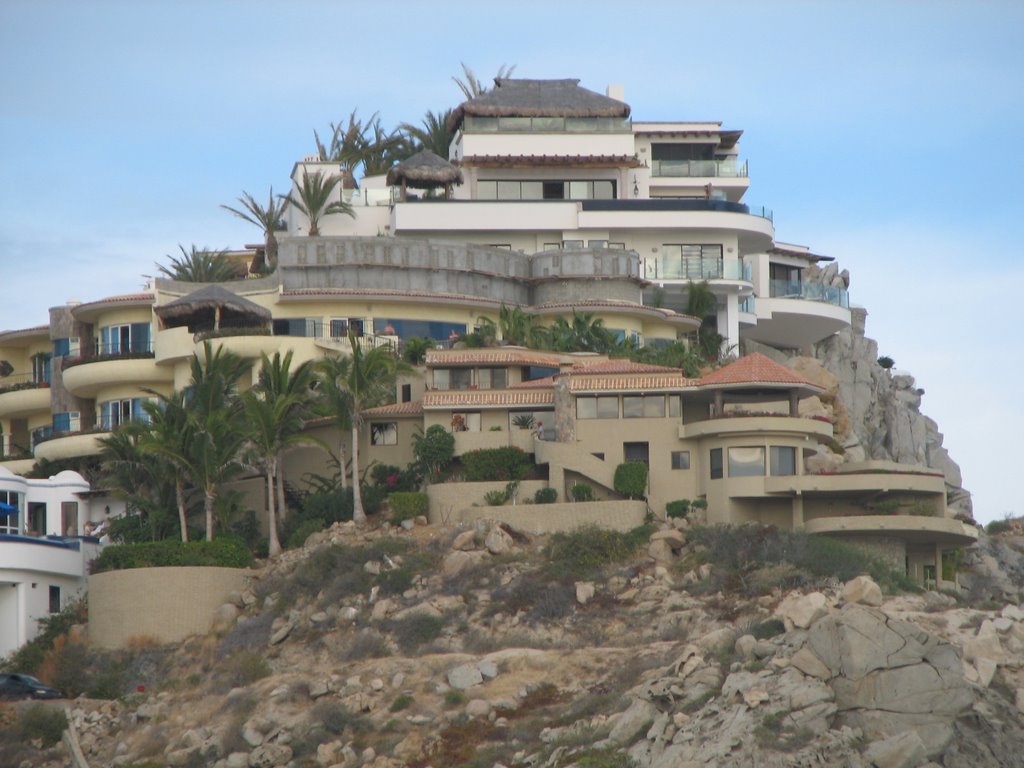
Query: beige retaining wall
(551, 518)
(166, 604)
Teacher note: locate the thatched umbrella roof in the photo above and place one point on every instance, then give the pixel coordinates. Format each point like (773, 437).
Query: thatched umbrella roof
(538, 98)
(211, 302)
(424, 170)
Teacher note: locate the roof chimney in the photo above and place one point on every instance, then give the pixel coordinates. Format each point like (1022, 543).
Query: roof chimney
(616, 91)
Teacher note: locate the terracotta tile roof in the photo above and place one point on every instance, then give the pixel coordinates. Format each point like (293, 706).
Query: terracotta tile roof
(411, 408)
(754, 368)
(475, 398)
(300, 293)
(126, 298)
(491, 356)
(646, 382)
(16, 333)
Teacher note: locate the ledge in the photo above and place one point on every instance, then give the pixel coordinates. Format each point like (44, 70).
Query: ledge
(938, 530)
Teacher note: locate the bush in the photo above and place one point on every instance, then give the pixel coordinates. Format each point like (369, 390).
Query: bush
(29, 656)
(226, 552)
(582, 492)
(402, 701)
(886, 362)
(415, 631)
(39, 721)
(768, 629)
(392, 479)
(495, 498)
(241, 669)
(507, 463)
(545, 496)
(407, 505)
(699, 504)
(582, 553)
(997, 526)
(678, 508)
(631, 479)
(434, 451)
(308, 527)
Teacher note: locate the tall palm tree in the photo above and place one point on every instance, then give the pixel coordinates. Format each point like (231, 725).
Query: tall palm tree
(215, 413)
(168, 435)
(347, 146)
(432, 134)
(583, 334)
(471, 87)
(275, 411)
(366, 379)
(334, 403)
(519, 327)
(200, 265)
(381, 149)
(268, 217)
(702, 303)
(313, 198)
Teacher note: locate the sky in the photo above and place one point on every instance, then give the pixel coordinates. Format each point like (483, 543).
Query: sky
(884, 134)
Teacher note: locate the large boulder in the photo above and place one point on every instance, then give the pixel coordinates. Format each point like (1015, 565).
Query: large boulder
(890, 676)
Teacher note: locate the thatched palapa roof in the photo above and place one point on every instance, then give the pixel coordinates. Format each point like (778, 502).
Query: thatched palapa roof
(211, 303)
(424, 170)
(538, 98)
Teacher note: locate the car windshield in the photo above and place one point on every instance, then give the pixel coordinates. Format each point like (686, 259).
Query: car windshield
(27, 679)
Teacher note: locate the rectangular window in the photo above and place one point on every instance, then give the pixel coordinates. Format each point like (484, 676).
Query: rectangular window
(406, 393)
(384, 433)
(691, 262)
(715, 463)
(9, 523)
(487, 190)
(123, 339)
(424, 329)
(746, 462)
(452, 378)
(69, 518)
(339, 329)
(643, 407)
(54, 599)
(675, 406)
(466, 422)
(114, 413)
(493, 378)
(597, 407)
(69, 421)
(309, 327)
(783, 460)
(680, 459)
(636, 452)
(65, 347)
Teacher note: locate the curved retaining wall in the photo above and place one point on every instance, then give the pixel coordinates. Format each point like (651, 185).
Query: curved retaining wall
(167, 604)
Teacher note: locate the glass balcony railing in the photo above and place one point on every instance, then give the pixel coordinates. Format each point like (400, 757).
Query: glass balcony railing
(746, 304)
(730, 168)
(790, 289)
(701, 268)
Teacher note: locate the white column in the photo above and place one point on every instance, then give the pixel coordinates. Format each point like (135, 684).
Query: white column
(729, 320)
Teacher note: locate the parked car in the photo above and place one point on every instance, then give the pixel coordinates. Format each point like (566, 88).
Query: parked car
(14, 686)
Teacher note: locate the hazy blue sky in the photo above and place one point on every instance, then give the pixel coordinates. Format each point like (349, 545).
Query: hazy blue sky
(885, 134)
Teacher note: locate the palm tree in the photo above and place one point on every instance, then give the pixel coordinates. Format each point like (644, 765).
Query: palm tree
(433, 135)
(519, 327)
(200, 266)
(215, 417)
(139, 478)
(381, 150)
(702, 303)
(334, 403)
(275, 410)
(168, 435)
(471, 87)
(364, 380)
(313, 198)
(347, 146)
(269, 218)
(583, 334)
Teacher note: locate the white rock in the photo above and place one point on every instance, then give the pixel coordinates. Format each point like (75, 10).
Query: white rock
(1014, 612)
(465, 676)
(905, 750)
(632, 722)
(584, 591)
(478, 708)
(487, 668)
(745, 646)
(802, 610)
(465, 541)
(863, 590)
(498, 542)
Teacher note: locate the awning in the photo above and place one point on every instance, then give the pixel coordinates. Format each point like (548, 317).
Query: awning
(6, 510)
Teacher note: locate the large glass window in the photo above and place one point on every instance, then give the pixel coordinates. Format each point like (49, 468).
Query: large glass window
(584, 189)
(299, 326)
(597, 407)
(643, 407)
(66, 422)
(675, 406)
(452, 378)
(424, 329)
(746, 461)
(493, 378)
(114, 413)
(384, 433)
(41, 367)
(9, 522)
(783, 460)
(715, 463)
(693, 262)
(65, 347)
(124, 339)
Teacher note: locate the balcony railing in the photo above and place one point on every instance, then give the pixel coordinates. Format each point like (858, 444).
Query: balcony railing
(695, 268)
(16, 381)
(746, 304)
(699, 168)
(135, 351)
(791, 289)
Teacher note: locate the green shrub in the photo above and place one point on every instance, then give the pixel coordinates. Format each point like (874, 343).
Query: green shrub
(997, 526)
(886, 362)
(545, 496)
(582, 553)
(699, 504)
(495, 498)
(415, 631)
(242, 668)
(631, 479)
(506, 463)
(226, 552)
(402, 701)
(405, 505)
(308, 527)
(454, 698)
(39, 721)
(392, 479)
(768, 629)
(29, 656)
(582, 492)
(678, 508)
(434, 451)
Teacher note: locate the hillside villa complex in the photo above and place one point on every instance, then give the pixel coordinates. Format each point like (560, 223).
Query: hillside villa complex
(552, 199)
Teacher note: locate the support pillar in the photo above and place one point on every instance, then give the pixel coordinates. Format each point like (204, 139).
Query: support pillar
(798, 512)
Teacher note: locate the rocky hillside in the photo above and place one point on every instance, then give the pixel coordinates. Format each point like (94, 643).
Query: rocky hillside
(876, 410)
(668, 647)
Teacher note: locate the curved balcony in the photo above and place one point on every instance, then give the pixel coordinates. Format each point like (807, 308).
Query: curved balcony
(69, 446)
(758, 425)
(939, 530)
(795, 321)
(172, 345)
(858, 482)
(54, 556)
(19, 403)
(88, 377)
